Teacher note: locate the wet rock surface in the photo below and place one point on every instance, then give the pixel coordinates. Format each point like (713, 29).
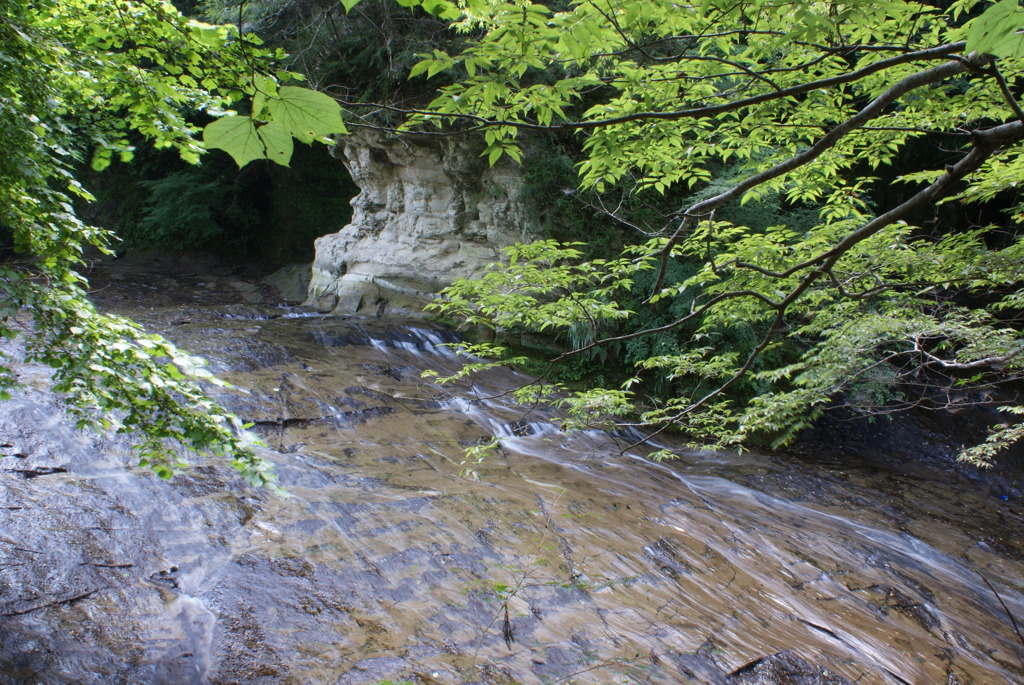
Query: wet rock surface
(784, 668)
(564, 562)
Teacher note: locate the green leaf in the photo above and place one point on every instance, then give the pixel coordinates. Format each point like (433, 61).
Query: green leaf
(419, 68)
(239, 137)
(263, 87)
(306, 114)
(208, 35)
(277, 143)
(442, 9)
(998, 31)
(101, 159)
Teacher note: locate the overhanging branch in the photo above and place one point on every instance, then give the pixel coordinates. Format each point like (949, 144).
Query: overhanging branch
(827, 141)
(480, 123)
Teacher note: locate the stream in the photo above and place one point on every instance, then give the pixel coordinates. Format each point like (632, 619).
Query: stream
(567, 561)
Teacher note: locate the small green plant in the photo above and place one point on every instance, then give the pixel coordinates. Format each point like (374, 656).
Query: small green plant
(475, 455)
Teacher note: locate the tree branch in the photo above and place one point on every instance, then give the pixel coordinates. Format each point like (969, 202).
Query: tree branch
(938, 52)
(1004, 88)
(996, 362)
(694, 313)
(870, 111)
(709, 58)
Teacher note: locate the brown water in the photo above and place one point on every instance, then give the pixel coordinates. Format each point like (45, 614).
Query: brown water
(565, 562)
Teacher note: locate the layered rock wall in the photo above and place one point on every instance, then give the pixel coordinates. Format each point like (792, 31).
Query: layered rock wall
(430, 210)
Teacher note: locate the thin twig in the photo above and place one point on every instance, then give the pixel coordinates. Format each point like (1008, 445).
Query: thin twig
(1013, 621)
(1004, 88)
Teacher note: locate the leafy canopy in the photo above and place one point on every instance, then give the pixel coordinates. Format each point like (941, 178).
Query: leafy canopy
(819, 103)
(87, 80)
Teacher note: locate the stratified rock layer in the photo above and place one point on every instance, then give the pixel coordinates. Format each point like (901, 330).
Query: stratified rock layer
(431, 210)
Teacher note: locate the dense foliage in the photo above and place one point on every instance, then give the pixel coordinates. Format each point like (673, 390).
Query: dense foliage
(83, 80)
(807, 103)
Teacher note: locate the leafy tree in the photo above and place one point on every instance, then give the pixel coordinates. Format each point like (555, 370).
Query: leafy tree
(806, 101)
(816, 103)
(83, 79)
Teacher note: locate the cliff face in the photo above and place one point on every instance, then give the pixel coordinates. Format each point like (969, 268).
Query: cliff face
(430, 210)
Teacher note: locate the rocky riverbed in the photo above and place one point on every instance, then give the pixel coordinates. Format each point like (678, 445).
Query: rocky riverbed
(566, 560)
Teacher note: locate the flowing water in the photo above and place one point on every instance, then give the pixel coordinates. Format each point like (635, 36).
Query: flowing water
(567, 561)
